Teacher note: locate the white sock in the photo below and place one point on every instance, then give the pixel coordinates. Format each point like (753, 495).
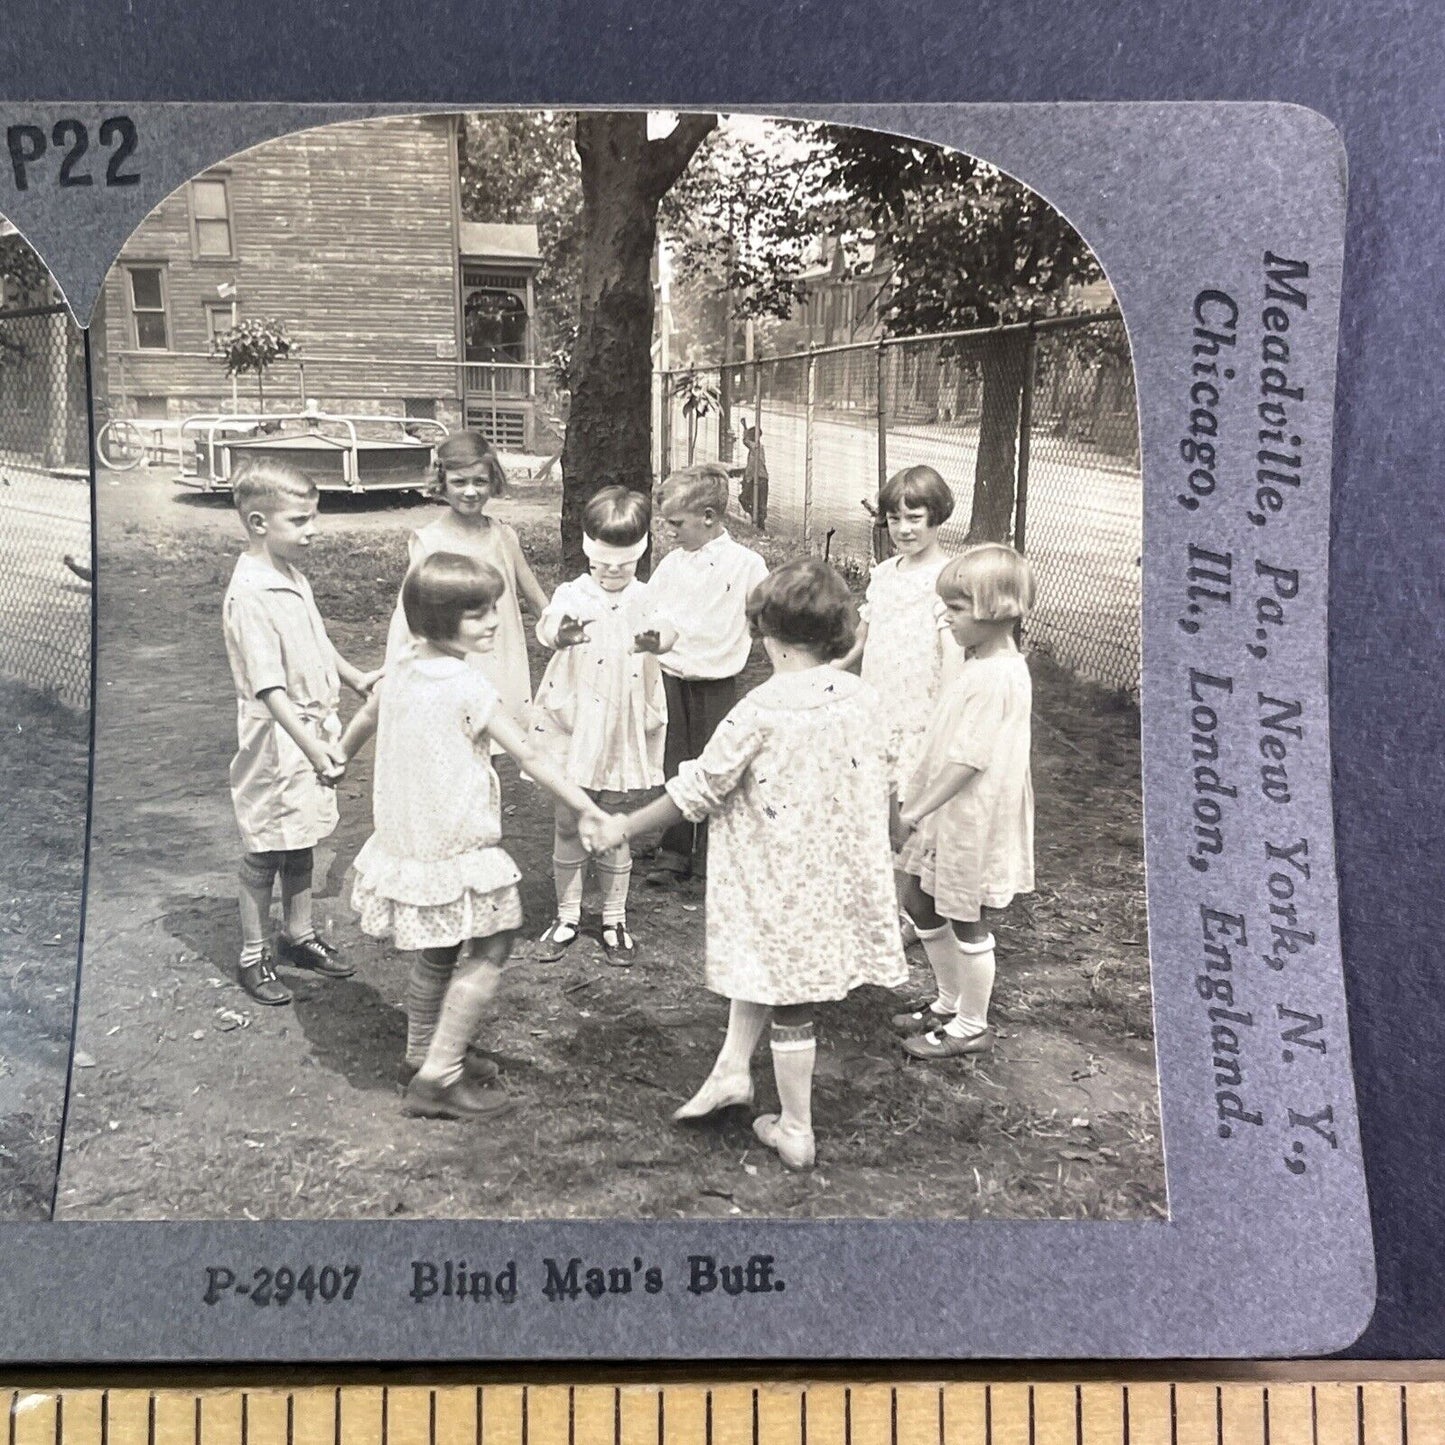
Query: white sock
(794, 1052)
(426, 987)
(614, 874)
(746, 1022)
(569, 870)
(465, 1005)
(938, 949)
(975, 988)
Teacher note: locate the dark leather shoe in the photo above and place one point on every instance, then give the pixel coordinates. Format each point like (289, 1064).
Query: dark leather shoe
(316, 955)
(478, 1068)
(260, 981)
(461, 1100)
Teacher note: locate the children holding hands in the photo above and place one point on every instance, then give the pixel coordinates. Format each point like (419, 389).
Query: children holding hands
(601, 709)
(703, 586)
(288, 678)
(801, 907)
(433, 876)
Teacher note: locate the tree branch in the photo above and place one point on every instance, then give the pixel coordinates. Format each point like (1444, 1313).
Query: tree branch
(667, 158)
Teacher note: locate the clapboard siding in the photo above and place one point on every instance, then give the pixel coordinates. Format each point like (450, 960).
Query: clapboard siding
(347, 234)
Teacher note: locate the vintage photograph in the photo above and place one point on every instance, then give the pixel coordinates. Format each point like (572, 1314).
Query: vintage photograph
(618, 663)
(45, 627)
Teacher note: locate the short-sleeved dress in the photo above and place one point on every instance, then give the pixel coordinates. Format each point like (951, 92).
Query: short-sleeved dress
(434, 873)
(275, 638)
(908, 649)
(505, 667)
(795, 782)
(977, 850)
(601, 709)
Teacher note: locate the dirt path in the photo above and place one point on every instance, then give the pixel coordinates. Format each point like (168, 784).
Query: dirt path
(200, 1104)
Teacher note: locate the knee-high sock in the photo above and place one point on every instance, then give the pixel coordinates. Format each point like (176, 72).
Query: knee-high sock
(794, 1051)
(569, 871)
(939, 947)
(295, 874)
(467, 998)
(614, 873)
(975, 987)
(426, 987)
(746, 1022)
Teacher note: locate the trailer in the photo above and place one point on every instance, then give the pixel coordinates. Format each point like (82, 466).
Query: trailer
(339, 453)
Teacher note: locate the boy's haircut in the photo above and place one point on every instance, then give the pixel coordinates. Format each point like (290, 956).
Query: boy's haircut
(267, 484)
(464, 449)
(443, 586)
(805, 603)
(996, 579)
(617, 515)
(917, 487)
(697, 488)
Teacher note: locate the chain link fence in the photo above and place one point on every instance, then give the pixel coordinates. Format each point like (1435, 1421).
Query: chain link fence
(45, 552)
(1034, 427)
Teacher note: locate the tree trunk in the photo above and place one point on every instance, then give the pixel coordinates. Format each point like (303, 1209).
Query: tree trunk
(998, 435)
(609, 426)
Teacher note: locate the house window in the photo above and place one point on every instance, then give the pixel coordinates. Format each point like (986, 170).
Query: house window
(218, 318)
(150, 327)
(211, 220)
(151, 408)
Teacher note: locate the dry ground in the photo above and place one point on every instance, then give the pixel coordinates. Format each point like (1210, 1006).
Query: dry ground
(196, 1103)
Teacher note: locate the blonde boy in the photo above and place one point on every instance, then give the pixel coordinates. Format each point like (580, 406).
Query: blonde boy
(702, 585)
(288, 681)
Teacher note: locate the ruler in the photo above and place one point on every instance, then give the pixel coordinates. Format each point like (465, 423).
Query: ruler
(1013, 1412)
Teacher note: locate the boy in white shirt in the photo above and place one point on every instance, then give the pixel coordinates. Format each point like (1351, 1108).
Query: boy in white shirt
(703, 585)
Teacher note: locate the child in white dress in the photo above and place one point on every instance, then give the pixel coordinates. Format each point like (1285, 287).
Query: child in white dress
(433, 875)
(468, 476)
(801, 907)
(601, 712)
(965, 825)
(903, 639)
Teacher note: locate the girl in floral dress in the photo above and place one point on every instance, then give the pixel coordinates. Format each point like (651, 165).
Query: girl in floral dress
(468, 476)
(433, 876)
(801, 907)
(903, 639)
(601, 710)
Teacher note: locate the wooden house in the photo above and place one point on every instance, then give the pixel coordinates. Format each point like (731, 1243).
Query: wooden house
(351, 235)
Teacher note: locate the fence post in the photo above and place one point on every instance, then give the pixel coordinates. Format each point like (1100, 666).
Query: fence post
(1026, 419)
(808, 398)
(664, 440)
(882, 415)
(760, 505)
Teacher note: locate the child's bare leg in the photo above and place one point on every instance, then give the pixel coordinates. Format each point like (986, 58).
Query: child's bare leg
(794, 1050)
(731, 1081)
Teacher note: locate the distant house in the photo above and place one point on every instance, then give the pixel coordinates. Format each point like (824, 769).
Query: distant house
(843, 295)
(352, 236)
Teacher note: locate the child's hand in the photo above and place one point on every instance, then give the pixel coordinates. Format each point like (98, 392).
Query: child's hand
(649, 641)
(571, 632)
(332, 766)
(601, 832)
(368, 680)
(900, 829)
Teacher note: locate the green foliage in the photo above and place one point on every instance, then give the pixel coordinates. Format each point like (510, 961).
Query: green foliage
(700, 398)
(965, 244)
(29, 283)
(520, 167)
(252, 346)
